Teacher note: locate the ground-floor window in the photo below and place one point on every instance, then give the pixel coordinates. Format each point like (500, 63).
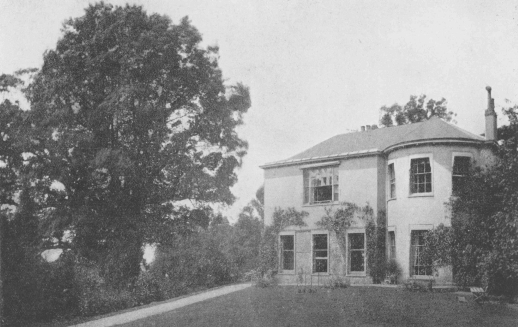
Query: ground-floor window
(356, 252)
(287, 252)
(320, 253)
(419, 266)
(392, 245)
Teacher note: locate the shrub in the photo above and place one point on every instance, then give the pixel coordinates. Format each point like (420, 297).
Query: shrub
(336, 282)
(266, 280)
(393, 269)
(147, 289)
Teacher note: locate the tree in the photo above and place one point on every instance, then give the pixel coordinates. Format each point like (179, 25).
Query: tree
(485, 219)
(414, 111)
(132, 118)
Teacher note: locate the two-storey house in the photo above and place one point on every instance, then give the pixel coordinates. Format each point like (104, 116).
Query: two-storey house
(408, 171)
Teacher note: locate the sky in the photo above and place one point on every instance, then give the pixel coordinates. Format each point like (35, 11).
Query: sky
(319, 68)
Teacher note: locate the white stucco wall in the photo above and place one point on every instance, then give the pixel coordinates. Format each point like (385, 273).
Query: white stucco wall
(364, 180)
(409, 212)
(361, 181)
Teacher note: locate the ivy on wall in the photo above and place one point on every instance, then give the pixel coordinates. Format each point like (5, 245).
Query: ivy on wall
(348, 214)
(438, 244)
(376, 244)
(268, 254)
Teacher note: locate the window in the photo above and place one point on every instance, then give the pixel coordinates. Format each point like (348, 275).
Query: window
(392, 245)
(287, 252)
(356, 252)
(320, 253)
(420, 176)
(461, 166)
(392, 181)
(320, 185)
(420, 267)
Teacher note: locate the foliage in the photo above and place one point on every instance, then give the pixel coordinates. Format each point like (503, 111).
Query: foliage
(130, 115)
(32, 288)
(341, 219)
(335, 281)
(268, 252)
(266, 280)
(414, 111)
(245, 241)
(393, 269)
(376, 244)
(438, 246)
(485, 221)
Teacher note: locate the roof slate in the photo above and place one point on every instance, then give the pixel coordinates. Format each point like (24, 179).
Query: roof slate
(382, 138)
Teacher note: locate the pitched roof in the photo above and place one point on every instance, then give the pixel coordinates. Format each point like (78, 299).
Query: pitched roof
(381, 139)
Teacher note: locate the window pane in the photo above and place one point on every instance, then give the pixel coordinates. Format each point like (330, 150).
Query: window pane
(287, 242)
(357, 263)
(356, 241)
(461, 165)
(392, 245)
(288, 262)
(421, 176)
(419, 265)
(320, 254)
(323, 193)
(320, 265)
(320, 242)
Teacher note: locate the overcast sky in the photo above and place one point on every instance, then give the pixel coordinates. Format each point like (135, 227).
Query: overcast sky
(319, 68)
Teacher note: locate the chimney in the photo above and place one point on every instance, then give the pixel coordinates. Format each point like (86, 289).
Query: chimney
(374, 127)
(363, 128)
(490, 117)
(368, 127)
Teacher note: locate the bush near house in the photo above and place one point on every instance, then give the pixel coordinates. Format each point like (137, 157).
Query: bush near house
(482, 244)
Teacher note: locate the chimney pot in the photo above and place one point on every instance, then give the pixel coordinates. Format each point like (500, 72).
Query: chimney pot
(363, 128)
(374, 127)
(368, 127)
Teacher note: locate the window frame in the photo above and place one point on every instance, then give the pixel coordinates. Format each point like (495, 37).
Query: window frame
(308, 198)
(281, 253)
(313, 250)
(428, 156)
(392, 194)
(453, 156)
(364, 251)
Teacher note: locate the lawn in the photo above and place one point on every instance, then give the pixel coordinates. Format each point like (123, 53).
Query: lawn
(353, 306)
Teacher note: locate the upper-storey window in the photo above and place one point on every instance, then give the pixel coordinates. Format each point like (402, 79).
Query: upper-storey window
(420, 176)
(392, 181)
(320, 185)
(461, 166)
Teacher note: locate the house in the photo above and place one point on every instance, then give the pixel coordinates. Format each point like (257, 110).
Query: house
(409, 172)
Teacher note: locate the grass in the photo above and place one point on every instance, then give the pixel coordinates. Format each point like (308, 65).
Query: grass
(353, 306)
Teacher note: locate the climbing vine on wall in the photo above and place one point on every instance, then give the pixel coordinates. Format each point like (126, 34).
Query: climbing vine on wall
(376, 244)
(438, 245)
(341, 219)
(268, 254)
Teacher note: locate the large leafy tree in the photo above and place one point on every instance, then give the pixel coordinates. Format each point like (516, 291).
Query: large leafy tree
(485, 219)
(135, 132)
(417, 109)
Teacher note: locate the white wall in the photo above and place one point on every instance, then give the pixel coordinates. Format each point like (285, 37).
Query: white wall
(360, 182)
(410, 212)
